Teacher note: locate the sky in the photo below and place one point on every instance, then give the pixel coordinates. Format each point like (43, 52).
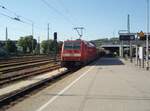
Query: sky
(100, 18)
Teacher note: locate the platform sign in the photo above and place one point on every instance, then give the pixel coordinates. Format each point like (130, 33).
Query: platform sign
(144, 37)
(141, 34)
(127, 37)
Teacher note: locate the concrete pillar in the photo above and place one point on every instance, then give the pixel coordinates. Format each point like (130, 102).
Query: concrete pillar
(137, 58)
(141, 56)
(121, 51)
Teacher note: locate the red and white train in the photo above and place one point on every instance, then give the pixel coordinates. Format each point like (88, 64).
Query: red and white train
(77, 53)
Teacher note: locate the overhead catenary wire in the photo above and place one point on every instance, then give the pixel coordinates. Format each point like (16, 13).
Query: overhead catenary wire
(3, 7)
(13, 18)
(58, 12)
(18, 17)
(6, 15)
(66, 10)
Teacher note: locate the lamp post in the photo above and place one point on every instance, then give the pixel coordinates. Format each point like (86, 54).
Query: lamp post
(147, 38)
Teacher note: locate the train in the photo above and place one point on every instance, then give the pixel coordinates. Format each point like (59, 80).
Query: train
(78, 52)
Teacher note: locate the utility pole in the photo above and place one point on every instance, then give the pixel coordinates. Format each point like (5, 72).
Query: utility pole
(130, 42)
(122, 51)
(33, 37)
(147, 38)
(6, 36)
(32, 29)
(48, 39)
(39, 45)
(79, 31)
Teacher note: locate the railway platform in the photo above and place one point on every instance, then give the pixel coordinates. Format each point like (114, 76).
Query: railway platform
(108, 84)
(29, 82)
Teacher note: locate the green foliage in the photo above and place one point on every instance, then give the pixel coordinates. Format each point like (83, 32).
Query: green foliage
(27, 43)
(114, 39)
(22, 43)
(49, 46)
(44, 46)
(10, 46)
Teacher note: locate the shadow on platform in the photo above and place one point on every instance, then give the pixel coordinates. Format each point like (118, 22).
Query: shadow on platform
(106, 61)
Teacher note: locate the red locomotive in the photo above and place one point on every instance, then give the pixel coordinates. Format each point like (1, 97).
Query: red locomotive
(77, 53)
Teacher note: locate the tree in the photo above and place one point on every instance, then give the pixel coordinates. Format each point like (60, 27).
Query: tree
(11, 46)
(31, 43)
(22, 43)
(50, 46)
(44, 46)
(47, 46)
(27, 43)
(114, 40)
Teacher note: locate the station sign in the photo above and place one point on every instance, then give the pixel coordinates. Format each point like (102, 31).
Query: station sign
(144, 37)
(127, 37)
(141, 34)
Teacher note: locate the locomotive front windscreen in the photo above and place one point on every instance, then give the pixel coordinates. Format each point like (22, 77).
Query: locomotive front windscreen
(72, 45)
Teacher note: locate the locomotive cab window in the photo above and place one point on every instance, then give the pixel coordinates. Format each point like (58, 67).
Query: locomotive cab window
(72, 45)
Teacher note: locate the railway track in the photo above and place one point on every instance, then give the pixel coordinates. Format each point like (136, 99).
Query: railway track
(17, 59)
(8, 98)
(18, 70)
(25, 59)
(29, 66)
(8, 64)
(27, 73)
(23, 66)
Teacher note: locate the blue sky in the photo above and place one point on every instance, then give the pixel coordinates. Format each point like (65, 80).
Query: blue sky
(101, 18)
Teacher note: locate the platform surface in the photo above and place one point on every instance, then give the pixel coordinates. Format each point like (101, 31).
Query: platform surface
(30, 81)
(106, 85)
